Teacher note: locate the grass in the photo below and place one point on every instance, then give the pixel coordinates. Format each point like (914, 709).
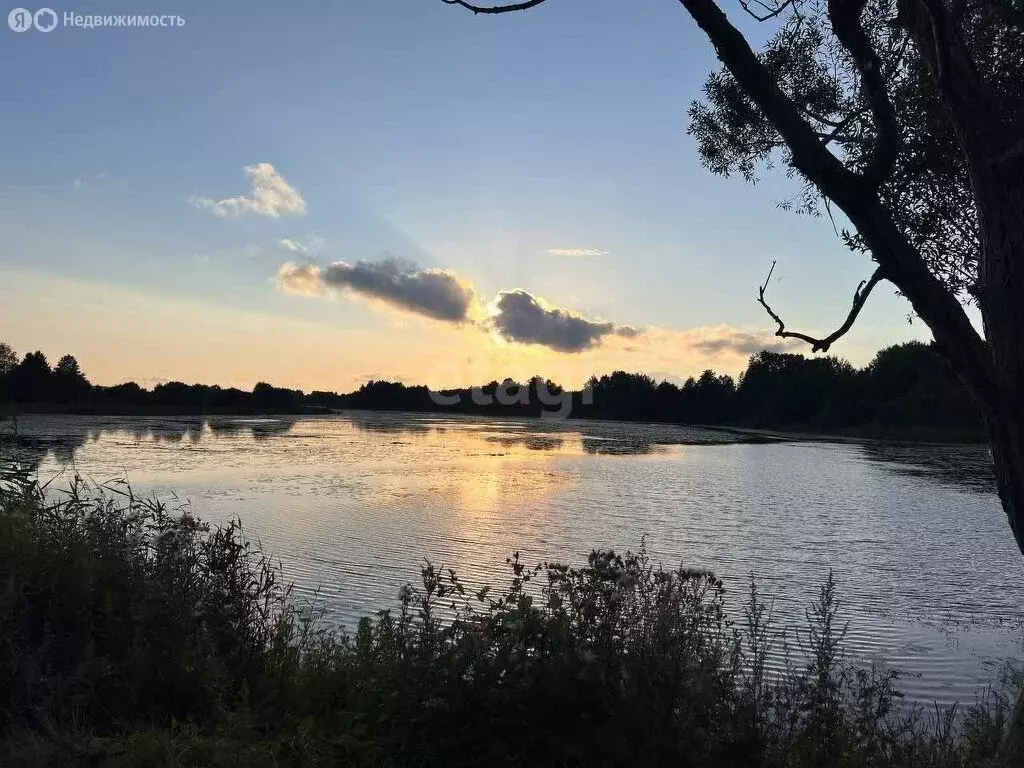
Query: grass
(132, 634)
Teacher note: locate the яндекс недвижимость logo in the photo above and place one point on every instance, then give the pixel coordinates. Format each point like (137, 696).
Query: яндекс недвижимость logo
(46, 20)
(22, 19)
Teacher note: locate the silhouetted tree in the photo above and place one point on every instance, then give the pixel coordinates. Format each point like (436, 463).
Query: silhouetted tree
(269, 398)
(32, 380)
(712, 397)
(69, 384)
(128, 393)
(622, 395)
(8, 362)
(906, 391)
(8, 358)
(908, 116)
(909, 385)
(781, 389)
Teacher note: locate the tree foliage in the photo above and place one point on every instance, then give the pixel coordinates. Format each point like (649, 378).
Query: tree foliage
(923, 177)
(8, 358)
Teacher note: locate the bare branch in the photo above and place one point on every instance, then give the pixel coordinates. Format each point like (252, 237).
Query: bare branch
(822, 345)
(511, 8)
(769, 11)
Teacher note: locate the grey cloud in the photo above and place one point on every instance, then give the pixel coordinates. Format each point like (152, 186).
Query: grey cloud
(524, 319)
(741, 342)
(436, 293)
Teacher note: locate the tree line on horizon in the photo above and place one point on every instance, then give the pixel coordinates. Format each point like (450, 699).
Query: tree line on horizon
(906, 390)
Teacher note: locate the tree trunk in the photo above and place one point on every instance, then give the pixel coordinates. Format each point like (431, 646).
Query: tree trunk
(1006, 438)
(999, 191)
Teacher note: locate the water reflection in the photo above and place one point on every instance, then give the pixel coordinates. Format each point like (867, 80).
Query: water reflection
(160, 431)
(533, 442)
(30, 450)
(619, 446)
(393, 423)
(267, 428)
(227, 427)
(963, 466)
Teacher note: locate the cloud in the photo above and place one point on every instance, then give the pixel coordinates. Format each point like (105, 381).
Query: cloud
(722, 343)
(577, 252)
(292, 246)
(436, 293)
(301, 279)
(526, 319)
(725, 339)
(310, 247)
(271, 196)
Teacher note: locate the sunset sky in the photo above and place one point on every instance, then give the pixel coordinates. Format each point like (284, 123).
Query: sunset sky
(322, 193)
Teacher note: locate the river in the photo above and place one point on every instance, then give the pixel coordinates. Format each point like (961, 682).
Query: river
(928, 575)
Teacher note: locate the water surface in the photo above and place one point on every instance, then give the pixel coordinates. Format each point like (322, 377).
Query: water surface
(928, 574)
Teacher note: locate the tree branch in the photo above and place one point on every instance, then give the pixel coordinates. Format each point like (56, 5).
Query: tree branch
(770, 12)
(902, 262)
(845, 18)
(810, 156)
(822, 345)
(511, 8)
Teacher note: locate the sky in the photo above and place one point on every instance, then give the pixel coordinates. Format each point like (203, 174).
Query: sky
(323, 193)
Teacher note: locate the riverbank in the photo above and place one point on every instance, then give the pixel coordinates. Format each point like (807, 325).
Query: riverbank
(859, 435)
(135, 635)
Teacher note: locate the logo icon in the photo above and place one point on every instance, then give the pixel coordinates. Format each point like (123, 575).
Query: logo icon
(45, 19)
(20, 20)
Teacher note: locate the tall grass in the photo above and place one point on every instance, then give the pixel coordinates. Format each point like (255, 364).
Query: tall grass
(132, 634)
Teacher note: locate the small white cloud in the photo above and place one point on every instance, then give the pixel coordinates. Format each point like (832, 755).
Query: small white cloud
(578, 253)
(308, 247)
(292, 246)
(271, 196)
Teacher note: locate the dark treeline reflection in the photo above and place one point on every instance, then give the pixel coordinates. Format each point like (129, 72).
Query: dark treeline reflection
(968, 467)
(31, 450)
(530, 442)
(30, 447)
(906, 391)
(626, 447)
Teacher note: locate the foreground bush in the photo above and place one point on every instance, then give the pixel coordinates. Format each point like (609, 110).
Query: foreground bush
(134, 635)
